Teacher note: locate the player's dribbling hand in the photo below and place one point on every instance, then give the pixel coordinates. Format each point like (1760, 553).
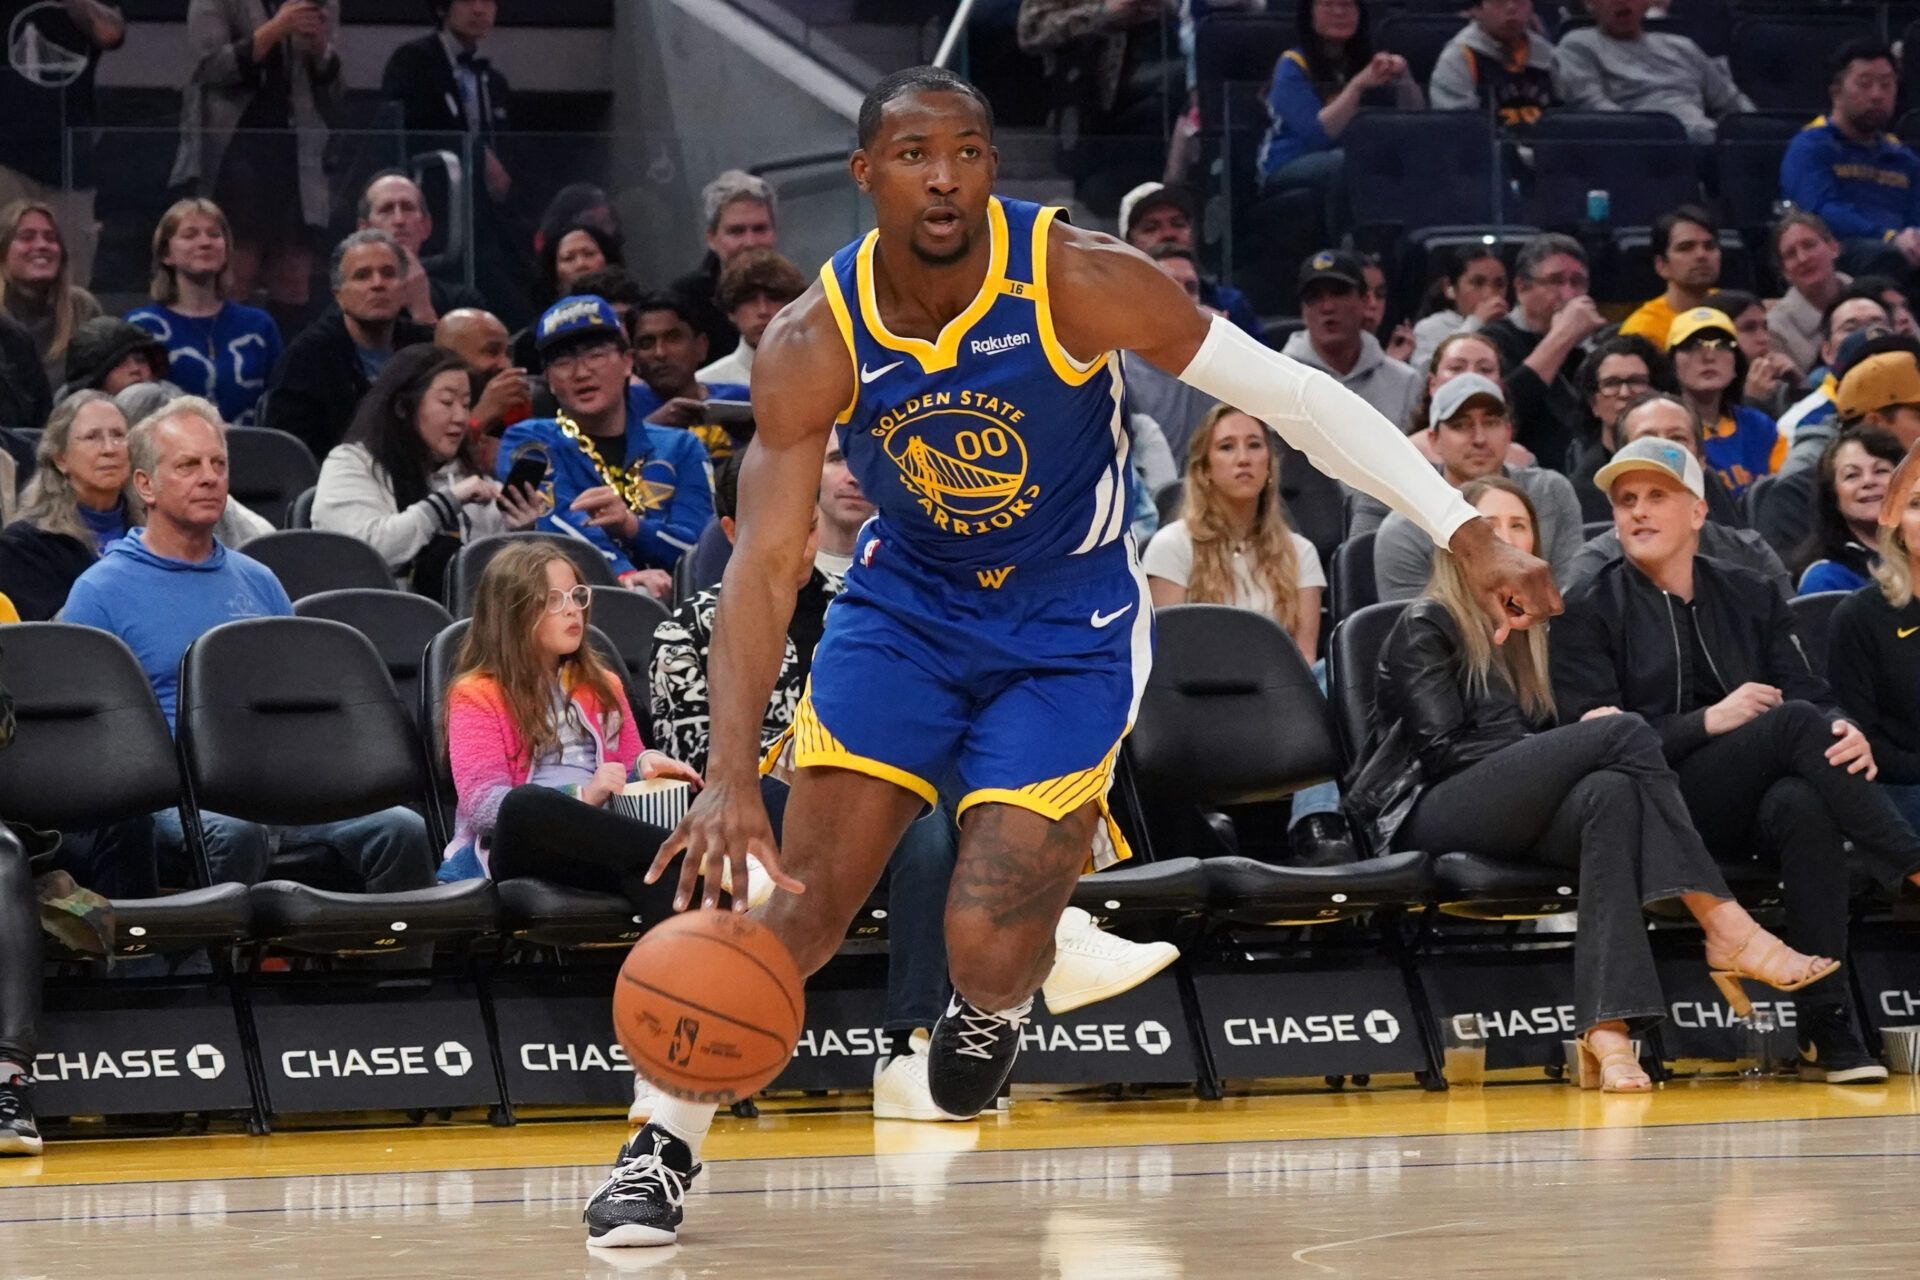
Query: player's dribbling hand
(727, 822)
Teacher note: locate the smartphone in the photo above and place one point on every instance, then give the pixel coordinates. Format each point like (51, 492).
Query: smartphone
(728, 413)
(528, 472)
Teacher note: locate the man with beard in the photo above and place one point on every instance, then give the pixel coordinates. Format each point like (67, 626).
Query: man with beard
(1686, 254)
(501, 396)
(1847, 168)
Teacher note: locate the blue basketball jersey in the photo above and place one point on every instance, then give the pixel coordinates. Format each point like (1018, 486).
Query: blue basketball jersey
(990, 447)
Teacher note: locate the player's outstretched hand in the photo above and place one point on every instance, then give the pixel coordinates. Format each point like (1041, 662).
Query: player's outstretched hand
(727, 822)
(1515, 589)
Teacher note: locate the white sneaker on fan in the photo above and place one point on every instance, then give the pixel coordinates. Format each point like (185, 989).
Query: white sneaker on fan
(1090, 964)
(900, 1087)
(644, 1096)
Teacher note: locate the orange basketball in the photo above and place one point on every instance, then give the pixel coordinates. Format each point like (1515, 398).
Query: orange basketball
(708, 1006)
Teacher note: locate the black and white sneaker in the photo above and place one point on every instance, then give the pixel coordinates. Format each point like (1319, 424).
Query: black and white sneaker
(639, 1203)
(1831, 1051)
(19, 1135)
(971, 1055)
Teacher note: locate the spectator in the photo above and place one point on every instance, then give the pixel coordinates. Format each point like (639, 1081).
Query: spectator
(1540, 343)
(639, 493)
(1398, 343)
(1891, 296)
(1155, 213)
(1465, 715)
(574, 205)
(1742, 444)
(1852, 313)
(573, 253)
(253, 134)
(1111, 72)
(1472, 295)
(667, 350)
(1318, 87)
(25, 397)
(1686, 254)
(498, 389)
(620, 290)
(1175, 408)
(1772, 385)
(1851, 484)
(1335, 341)
(755, 285)
(740, 214)
(1233, 546)
(82, 500)
(217, 349)
(1707, 654)
(1498, 62)
(1615, 373)
(1859, 178)
(1808, 255)
(444, 85)
(394, 203)
(47, 100)
(34, 288)
(1665, 415)
(163, 586)
(1618, 65)
(406, 481)
(1869, 658)
(1470, 430)
(110, 354)
(329, 368)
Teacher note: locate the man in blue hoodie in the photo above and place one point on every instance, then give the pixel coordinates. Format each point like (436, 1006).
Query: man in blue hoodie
(1847, 168)
(161, 587)
(639, 493)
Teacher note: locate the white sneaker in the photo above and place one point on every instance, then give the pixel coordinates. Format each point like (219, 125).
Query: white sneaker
(1090, 964)
(644, 1098)
(900, 1087)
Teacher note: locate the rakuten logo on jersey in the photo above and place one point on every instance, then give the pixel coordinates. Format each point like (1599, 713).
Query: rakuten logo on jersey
(203, 1060)
(1379, 1026)
(450, 1058)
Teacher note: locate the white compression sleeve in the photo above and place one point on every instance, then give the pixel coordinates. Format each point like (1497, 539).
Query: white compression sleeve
(1339, 432)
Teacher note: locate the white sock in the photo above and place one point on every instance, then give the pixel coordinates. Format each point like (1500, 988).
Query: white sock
(687, 1121)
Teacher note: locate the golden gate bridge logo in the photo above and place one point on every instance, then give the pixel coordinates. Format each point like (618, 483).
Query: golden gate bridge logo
(980, 470)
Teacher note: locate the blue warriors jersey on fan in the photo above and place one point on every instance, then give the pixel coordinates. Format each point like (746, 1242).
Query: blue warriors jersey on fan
(995, 631)
(991, 447)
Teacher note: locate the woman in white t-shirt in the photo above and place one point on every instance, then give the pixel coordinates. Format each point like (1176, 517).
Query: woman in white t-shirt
(1234, 547)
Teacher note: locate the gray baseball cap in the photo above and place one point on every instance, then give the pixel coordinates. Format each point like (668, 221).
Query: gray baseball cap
(1455, 395)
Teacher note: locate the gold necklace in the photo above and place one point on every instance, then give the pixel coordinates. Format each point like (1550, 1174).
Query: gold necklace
(629, 483)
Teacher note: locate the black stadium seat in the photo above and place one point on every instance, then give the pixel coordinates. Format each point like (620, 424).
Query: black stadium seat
(1417, 37)
(1444, 156)
(300, 513)
(398, 622)
(1780, 59)
(1641, 159)
(1231, 715)
(308, 561)
(1813, 623)
(1748, 147)
(1352, 581)
(1140, 890)
(299, 918)
(628, 618)
(267, 470)
(463, 578)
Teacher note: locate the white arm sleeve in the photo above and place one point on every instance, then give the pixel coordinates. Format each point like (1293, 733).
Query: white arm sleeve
(1338, 431)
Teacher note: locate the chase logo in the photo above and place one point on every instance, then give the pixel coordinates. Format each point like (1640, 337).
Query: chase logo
(1382, 1026)
(453, 1058)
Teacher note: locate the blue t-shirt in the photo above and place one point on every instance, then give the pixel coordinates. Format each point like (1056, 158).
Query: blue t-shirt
(224, 357)
(159, 606)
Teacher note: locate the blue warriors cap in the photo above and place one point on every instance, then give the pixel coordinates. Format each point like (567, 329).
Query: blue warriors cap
(570, 319)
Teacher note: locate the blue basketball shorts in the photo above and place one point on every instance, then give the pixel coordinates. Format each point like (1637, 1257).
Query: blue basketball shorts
(995, 686)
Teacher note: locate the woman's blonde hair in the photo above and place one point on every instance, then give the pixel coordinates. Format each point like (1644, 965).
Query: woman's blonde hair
(64, 320)
(1894, 572)
(50, 502)
(164, 287)
(1275, 564)
(508, 604)
(1522, 665)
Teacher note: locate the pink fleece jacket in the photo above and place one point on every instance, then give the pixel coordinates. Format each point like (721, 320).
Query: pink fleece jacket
(489, 759)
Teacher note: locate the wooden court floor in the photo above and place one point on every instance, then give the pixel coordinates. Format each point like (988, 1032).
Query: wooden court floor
(1721, 1178)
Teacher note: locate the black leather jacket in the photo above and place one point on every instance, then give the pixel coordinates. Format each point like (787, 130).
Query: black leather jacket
(1428, 724)
(1623, 642)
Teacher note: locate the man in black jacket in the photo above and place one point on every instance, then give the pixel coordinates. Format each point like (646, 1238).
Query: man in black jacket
(327, 369)
(1706, 653)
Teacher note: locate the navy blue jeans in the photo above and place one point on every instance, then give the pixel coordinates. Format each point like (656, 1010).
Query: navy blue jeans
(388, 850)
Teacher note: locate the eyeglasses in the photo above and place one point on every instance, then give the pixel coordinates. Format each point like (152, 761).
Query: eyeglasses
(1709, 344)
(1624, 386)
(112, 435)
(1571, 280)
(593, 360)
(579, 598)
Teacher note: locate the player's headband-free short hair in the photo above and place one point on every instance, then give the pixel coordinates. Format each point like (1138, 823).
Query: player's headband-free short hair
(915, 80)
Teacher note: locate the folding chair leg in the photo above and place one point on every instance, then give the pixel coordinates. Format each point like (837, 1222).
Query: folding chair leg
(1434, 1079)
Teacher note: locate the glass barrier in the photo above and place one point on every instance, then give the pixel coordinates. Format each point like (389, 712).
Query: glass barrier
(486, 207)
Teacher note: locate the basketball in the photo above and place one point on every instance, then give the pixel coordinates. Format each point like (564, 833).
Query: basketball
(708, 1006)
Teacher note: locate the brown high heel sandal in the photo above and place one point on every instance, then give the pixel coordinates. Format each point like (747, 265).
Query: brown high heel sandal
(1727, 972)
(1594, 1066)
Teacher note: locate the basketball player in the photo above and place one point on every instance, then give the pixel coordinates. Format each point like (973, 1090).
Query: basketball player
(995, 631)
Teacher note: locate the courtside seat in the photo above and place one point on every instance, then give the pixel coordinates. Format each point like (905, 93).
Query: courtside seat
(1478, 887)
(1139, 890)
(1246, 891)
(216, 917)
(541, 913)
(296, 917)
